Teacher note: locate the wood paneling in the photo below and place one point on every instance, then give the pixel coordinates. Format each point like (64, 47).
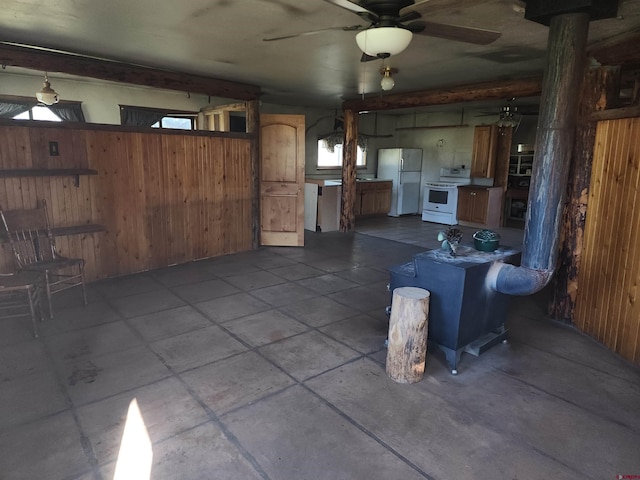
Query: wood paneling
(163, 199)
(607, 306)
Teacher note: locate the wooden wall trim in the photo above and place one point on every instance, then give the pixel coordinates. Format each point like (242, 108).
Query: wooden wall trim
(102, 127)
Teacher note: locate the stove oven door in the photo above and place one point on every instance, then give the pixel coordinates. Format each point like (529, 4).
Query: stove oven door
(440, 199)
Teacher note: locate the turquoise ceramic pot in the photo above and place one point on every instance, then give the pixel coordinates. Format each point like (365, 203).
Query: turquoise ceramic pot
(486, 240)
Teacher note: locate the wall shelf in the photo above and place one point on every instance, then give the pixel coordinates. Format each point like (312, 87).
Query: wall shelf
(46, 172)
(70, 230)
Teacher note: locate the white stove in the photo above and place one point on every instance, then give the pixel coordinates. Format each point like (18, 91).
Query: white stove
(440, 203)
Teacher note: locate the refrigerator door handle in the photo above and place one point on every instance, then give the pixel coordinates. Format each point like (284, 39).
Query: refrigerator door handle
(402, 164)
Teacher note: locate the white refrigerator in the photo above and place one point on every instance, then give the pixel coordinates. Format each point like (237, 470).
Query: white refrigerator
(404, 167)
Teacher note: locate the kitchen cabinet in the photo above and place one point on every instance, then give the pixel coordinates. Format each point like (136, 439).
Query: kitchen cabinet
(372, 197)
(479, 206)
(485, 148)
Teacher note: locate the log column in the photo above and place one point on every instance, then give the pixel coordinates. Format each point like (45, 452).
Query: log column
(600, 89)
(349, 159)
(253, 126)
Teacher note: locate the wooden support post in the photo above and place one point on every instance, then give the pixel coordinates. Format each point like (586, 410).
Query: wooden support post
(253, 127)
(600, 89)
(408, 334)
(349, 158)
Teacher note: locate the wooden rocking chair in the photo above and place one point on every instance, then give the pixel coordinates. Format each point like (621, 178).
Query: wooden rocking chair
(34, 249)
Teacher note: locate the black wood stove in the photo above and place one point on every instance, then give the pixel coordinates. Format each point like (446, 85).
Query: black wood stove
(464, 313)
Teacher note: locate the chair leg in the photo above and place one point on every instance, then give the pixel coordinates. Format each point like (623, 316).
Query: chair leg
(84, 290)
(48, 289)
(32, 311)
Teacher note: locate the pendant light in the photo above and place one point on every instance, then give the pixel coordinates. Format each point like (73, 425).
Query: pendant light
(47, 95)
(387, 82)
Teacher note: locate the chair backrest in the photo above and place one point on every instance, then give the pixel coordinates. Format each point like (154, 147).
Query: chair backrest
(29, 235)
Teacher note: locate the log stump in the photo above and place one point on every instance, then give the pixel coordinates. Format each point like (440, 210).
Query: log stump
(407, 348)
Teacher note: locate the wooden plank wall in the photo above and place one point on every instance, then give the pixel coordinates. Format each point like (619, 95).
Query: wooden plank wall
(163, 198)
(607, 304)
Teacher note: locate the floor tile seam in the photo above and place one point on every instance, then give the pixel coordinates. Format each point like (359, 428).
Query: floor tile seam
(188, 302)
(591, 412)
(251, 292)
(369, 434)
(214, 418)
(577, 362)
(87, 447)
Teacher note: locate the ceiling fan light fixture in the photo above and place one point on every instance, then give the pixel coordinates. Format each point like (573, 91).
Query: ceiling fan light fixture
(47, 95)
(387, 82)
(383, 41)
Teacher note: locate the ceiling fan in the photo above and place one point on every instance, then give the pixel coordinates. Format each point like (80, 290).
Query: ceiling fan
(388, 32)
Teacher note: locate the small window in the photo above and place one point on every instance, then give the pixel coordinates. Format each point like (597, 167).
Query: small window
(329, 159)
(38, 112)
(179, 123)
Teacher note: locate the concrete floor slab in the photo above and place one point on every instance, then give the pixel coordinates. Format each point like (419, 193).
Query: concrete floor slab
(285, 294)
(29, 397)
(251, 281)
(328, 283)
(203, 452)
(149, 302)
(182, 275)
(202, 291)
(442, 440)
(126, 286)
(265, 327)
(318, 311)
(236, 382)
(166, 408)
(364, 275)
(365, 298)
(362, 332)
(168, 323)
(98, 340)
(91, 378)
(297, 271)
(295, 435)
(233, 306)
(197, 348)
(50, 448)
(79, 316)
(308, 354)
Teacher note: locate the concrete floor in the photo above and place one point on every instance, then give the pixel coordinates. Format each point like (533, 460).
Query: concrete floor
(270, 365)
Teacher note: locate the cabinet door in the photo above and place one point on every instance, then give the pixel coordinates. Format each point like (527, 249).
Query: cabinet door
(383, 198)
(485, 141)
(465, 204)
(357, 205)
(480, 206)
(368, 205)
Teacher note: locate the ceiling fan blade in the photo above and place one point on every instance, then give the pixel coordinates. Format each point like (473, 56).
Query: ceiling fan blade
(408, 16)
(368, 58)
(355, 8)
(349, 28)
(477, 36)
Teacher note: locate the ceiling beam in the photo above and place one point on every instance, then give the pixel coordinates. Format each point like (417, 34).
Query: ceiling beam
(501, 89)
(84, 66)
(623, 49)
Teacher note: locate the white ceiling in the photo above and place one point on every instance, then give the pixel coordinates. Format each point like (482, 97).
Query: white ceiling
(224, 39)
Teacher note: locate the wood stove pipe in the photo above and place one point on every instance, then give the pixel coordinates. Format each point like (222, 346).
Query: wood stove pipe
(554, 143)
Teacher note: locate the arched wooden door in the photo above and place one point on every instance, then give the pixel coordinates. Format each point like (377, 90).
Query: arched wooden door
(282, 180)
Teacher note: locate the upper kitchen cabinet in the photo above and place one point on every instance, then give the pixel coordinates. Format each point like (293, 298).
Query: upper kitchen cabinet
(485, 146)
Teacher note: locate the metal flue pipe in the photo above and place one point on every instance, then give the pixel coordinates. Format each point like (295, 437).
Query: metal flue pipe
(554, 143)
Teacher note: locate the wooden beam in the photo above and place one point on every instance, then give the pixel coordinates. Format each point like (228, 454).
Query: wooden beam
(621, 49)
(501, 89)
(616, 113)
(84, 66)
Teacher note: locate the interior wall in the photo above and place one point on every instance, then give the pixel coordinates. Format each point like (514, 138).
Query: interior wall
(607, 306)
(162, 199)
(100, 99)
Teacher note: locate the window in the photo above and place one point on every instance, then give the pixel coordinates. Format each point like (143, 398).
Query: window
(179, 123)
(329, 159)
(157, 118)
(38, 112)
